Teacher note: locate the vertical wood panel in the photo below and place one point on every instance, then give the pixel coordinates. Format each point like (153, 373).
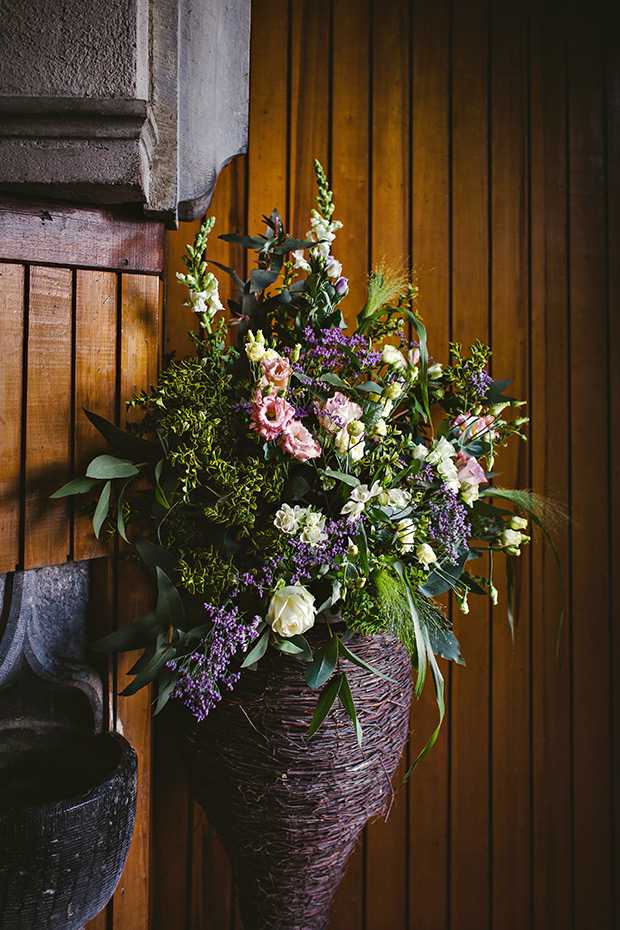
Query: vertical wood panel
(95, 384)
(430, 234)
(48, 415)
(386, 843)
(349, 176)
(309, 105)
(549, 410)
(469, 696)
(138, 369)
(11, 342)
(589, 418)
(510, 691)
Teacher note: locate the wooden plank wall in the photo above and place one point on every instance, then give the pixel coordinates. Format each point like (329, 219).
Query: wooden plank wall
(78, 330)
(478, 142)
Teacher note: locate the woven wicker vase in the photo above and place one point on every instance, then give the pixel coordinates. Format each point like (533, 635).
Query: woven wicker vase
(289, 811)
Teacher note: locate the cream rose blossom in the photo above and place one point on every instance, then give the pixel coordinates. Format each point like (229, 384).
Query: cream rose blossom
(291, 610)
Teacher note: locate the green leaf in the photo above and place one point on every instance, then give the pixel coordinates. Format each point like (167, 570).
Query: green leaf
(154, 556)
(258, 650)
(165, 686)
(346, 699)
(294, 646)
(335, 381)
(352, 657)
(322, 665)
(417, 627)
(246, 242)
(169, 610)
(369, 387)
(351, 480)
(296, 488)
(442, 640)
(150, 672)
(439, 693)
(108, 466)
(142, 450)
(325, 703)
(136, 635)
(511, 595)
(421, 331)
(102, 508)
(77, 486)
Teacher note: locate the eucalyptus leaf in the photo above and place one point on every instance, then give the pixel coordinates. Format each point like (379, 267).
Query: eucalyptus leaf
(150, 671)
(77, 486)
(351, 480)
(155, 557)
(136, 635)
(352, 657)
(108, 466)
(169, 610)
(103, 506)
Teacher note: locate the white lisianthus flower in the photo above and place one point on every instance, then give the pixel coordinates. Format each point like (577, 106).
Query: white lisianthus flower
(434, 371)
(395, 497)
(288, 519)
(391, 356)
(291, 610)
(512, 540)
(379, 429)
(443, 450)
(333, 267)
(405, 531)
(470, 493)
(518, 523)
(442, 458)
(299, 261)
(425, 555)
(350, 440)
(420, 452)
(255, 346)
(360, 496)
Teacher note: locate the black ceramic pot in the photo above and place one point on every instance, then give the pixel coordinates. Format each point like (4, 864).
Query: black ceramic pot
(66, 821)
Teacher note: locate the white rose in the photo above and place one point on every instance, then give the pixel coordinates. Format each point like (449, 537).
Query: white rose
(291, 610)
(405, 532)
(313, 535)
(287, 519)
(314, 518)
(425, 555)
(391, 356)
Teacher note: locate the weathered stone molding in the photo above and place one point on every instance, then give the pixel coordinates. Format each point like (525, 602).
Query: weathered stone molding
(128, 101)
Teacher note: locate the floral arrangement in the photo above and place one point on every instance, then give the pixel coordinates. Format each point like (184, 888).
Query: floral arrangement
(307, 478)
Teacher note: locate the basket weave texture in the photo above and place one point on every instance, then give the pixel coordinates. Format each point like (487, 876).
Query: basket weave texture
(289, 810)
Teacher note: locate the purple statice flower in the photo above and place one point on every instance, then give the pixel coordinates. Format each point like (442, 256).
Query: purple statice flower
(202, 674)
(480, 382)
(328, 349)
(449, 526)
(305, 560)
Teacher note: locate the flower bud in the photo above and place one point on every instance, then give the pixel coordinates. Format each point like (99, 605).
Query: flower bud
(393, 390)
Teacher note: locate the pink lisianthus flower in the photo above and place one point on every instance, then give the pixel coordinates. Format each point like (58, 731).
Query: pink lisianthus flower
(270, 415)
(468, 470)
(478, 424)
(298, 442)
(276, 371)
(338, 411)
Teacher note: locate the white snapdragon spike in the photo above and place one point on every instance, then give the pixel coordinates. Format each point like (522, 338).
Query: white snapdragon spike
(425, 555)
(300, 263)
(360, 496)
(391, 356)
(405, 533)
(208, 300)
(255, 347)
(291, 610)
(441, 457)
